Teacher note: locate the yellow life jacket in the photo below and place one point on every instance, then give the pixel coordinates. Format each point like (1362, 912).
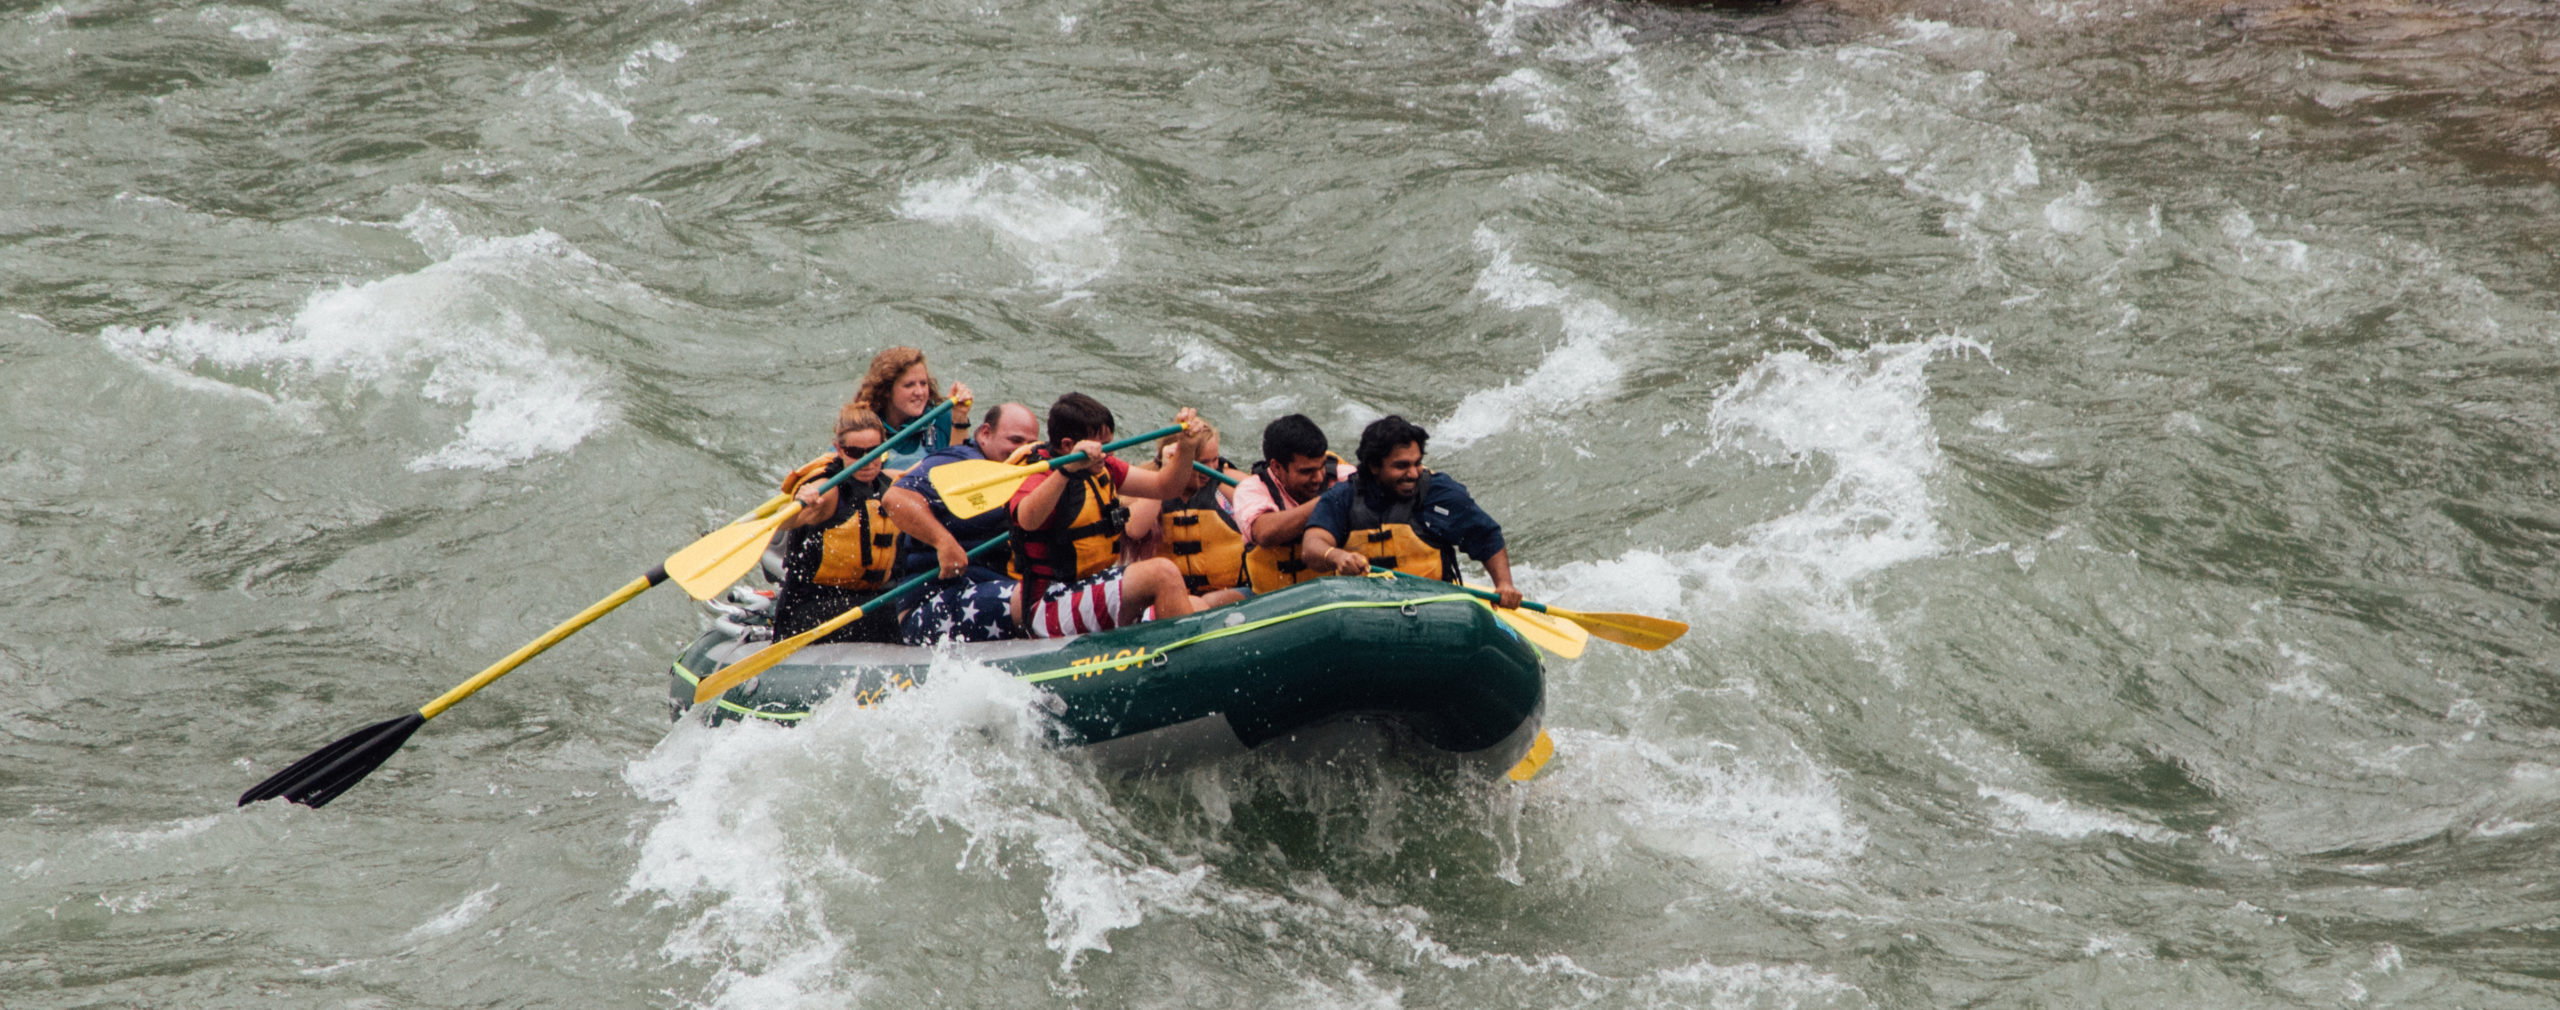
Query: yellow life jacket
(814, 468)
(1270, 567)
(1201, 539)
(1392, 540)
(857, 552)
(1090, 540)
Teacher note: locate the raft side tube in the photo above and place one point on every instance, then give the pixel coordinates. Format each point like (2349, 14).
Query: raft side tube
(1431, 662)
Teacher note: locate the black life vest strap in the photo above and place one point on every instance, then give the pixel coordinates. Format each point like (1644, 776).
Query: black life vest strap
(1398, 511)
(1061, 544)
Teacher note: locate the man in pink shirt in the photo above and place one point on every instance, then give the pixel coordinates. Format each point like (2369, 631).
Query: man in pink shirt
(1272, 506)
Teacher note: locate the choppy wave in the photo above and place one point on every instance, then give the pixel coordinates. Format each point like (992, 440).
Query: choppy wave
(455, 332)
(1057, 217)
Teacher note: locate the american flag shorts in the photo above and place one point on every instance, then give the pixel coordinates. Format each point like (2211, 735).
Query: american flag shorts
(960, 611)
(1076, 608)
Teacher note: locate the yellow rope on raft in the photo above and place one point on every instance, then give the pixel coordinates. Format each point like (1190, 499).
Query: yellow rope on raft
(1098, 664)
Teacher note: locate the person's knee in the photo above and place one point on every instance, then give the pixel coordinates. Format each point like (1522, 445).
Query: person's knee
(1153, 575)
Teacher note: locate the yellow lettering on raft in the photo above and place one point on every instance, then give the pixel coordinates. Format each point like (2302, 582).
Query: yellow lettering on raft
(1095, 664)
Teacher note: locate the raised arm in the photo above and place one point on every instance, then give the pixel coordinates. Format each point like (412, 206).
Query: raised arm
(1168, 481)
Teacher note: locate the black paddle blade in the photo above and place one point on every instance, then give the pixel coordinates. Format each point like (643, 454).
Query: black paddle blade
(315, 780)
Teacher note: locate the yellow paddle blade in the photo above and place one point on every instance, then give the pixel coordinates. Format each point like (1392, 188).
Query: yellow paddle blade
(713, 563)
(1643, 632)
(1563, 638)
(1556, 635)
(1540, 752)
(749, 668)
(971, 487)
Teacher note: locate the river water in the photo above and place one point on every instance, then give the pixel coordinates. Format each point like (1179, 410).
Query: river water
(2105, 449)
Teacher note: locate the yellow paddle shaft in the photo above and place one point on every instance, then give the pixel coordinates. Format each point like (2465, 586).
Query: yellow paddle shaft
(549, 638)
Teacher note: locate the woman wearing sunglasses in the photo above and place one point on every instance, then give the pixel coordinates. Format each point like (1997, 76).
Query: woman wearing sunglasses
(837, 551)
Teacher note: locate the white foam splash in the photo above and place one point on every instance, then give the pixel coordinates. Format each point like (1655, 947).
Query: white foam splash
(1502, 20)
(1197, 354)
(577, 100)
(463, 913)
(1056, 216)
(1573, 374)
(145, 840)
(1732, 815)
(296, 43)
(1866, 413)
(2065, 819)
(635, 67)
(1538, 91)
(1750, 985)
(751, 838)
(444, 331)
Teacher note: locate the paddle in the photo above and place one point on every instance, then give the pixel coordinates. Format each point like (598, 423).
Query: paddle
(320, 776)
(1638, 630)
(712, 563)
(1563, 638)
(747, 669)
(777, 501)
(972, 487)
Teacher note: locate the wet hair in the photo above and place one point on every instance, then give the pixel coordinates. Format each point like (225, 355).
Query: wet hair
(856, 416)
(1383, 435)
(882, 380)
(1292, 437)
(1076, 417)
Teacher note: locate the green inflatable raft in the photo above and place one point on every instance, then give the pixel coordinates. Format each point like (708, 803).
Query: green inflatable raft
(1314, 668)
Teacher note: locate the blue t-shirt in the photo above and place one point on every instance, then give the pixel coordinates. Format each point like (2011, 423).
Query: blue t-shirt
(933, 438)
(917, 556)
(1447, 514)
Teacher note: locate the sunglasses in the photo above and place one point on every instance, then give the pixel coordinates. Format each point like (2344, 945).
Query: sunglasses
(854, 451)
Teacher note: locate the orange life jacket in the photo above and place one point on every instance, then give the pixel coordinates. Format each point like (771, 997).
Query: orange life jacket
(814, 468)
(1392, 540)
(1201, 539)
(858, 550)
(1269, 566)
(1088, 544)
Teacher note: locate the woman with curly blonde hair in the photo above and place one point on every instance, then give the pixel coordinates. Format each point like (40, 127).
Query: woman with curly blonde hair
(899, 388)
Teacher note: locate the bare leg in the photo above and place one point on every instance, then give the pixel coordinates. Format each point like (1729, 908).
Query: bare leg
(1154, 582)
